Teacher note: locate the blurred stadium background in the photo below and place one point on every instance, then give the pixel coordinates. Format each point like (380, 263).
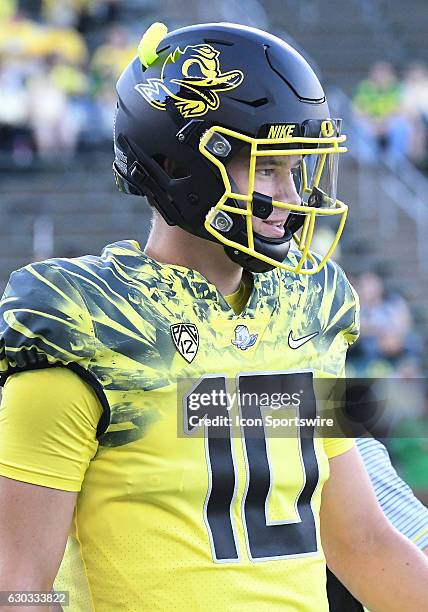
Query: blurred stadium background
(59, 61)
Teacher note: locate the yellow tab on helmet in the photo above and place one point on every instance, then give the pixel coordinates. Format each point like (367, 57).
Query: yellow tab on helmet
(149, 43)
(327, 129)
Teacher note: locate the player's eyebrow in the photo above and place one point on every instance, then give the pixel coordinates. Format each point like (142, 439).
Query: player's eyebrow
(277, 160)
(271, 161)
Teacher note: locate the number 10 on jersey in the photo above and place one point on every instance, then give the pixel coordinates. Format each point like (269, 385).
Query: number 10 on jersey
(265, 541)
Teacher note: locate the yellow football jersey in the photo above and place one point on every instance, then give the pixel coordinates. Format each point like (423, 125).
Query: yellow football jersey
(171, 515)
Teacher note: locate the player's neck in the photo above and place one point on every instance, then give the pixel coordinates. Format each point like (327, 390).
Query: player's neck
(173, 245)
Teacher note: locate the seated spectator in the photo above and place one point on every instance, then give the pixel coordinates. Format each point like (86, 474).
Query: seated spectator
(67, 44)
(66, 13)
(7, 9)
(415, 105)
(80, 14)
(21, 37)
(383, 128)
(106, 11)
(111, 57)
(25, 38)
(52, 119)
(15, 135)
(387, 343)
(105, 106)
(69, 78)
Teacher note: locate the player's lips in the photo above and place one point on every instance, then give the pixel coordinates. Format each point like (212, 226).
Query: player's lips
(274, 228)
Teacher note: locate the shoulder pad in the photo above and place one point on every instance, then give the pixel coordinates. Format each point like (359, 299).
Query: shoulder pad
(43, 320)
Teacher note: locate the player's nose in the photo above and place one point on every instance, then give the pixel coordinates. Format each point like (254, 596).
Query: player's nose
(286, 191)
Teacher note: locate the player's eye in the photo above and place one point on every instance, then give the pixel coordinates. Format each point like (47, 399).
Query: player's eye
(266, 172)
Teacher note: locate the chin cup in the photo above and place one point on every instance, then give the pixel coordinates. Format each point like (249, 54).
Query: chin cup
(275, 248)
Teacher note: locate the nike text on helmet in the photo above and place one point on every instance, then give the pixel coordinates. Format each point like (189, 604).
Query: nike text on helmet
(194, 98)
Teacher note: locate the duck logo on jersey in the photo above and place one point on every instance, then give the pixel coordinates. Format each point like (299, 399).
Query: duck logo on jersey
(186, 339)
(243, 339)
(196, 92)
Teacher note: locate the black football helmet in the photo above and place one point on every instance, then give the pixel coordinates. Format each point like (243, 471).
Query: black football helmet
(190, 101)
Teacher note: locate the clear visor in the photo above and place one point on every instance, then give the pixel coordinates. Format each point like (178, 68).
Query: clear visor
(317, 179)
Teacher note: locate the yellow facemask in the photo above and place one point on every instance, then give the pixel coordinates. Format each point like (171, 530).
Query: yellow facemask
(316, 180)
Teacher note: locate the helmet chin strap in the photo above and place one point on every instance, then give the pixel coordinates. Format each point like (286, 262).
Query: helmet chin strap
(274, 248)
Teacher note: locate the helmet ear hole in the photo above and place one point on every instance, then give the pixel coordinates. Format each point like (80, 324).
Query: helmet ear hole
(172, 169)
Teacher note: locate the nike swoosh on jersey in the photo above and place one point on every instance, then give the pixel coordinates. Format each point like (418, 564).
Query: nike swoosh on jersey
(296, 343)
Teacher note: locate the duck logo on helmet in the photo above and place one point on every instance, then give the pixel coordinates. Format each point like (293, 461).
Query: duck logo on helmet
(196, 92)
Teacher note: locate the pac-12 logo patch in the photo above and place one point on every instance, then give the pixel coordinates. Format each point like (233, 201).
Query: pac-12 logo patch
(186, 339)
